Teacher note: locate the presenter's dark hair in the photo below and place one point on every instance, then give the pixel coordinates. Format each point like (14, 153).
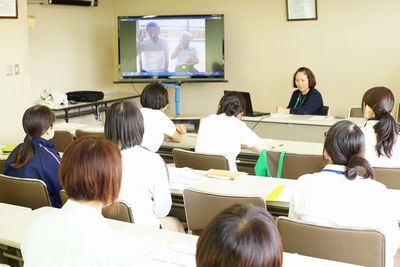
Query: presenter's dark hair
(35, 121)
(151, 24)
(154, 96)
(91, 170)
(344, 143)
(240, 236)
(231, 104)
(124, 124)
(381, 101)
(310, 76)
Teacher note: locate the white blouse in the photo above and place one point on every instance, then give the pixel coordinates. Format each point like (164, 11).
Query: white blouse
(370, 149)
(330, 198)
(221, 134)
(76, 236)
(156, 125)
(145, 186)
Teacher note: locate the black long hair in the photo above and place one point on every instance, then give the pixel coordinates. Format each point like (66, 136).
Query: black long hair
(344, 144)
(381, 101)
(36, 121)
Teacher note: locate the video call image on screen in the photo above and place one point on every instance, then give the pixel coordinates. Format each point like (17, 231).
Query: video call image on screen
(168, 46)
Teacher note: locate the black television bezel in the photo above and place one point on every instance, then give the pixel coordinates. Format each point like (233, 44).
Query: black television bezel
(171, 78)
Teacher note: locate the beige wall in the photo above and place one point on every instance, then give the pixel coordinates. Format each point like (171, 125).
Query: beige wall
(14, 90)
(71, 47)
(353, 46)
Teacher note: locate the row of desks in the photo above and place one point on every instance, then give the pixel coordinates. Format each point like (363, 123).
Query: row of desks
(151, 247)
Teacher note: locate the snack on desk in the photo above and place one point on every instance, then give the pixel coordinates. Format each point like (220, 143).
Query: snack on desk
(222, 174)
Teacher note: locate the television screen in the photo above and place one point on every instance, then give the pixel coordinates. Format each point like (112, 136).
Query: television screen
(171, 47)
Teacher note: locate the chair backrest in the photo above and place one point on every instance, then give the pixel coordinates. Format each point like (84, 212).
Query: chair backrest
(199, 161)
(62, 139)
(325, 110)
(388, 176)
(119, 210)
(359, 246)
(202, 207)
(2, 166)
(26, 192)
(80, 133)
(356, 112)
(295, 165)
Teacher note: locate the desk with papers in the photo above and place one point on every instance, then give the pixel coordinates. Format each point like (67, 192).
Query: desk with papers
(154, 247)
(307, 128)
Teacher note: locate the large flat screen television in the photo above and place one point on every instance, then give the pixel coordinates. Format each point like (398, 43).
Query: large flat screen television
(171, 47)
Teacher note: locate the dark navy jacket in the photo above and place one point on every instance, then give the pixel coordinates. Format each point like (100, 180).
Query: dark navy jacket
(310, 104)
(44, 166)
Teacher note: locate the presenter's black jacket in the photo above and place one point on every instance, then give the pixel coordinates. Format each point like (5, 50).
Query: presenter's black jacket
(309, 104)
(43, 166)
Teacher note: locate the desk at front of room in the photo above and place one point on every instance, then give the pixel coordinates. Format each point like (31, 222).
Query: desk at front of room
(150, 247)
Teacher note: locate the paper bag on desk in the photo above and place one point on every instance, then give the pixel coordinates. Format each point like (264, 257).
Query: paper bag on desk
(229, 175)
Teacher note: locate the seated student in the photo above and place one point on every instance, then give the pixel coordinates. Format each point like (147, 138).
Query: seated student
(306, 99)
(145, 181)
(36, 157)
(241, 235)
(157, 126)
(224, 133)
(78, 235)
(382, 148)
(340, 196)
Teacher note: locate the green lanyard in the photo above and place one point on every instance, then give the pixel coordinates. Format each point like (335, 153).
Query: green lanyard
(299, 101)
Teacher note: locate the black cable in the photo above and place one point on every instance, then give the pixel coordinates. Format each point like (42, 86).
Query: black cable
(262, 117)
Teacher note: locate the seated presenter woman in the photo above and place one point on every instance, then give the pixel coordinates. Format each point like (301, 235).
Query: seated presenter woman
(382, 145)
(224, 133)
(241, 235)
(345, 193)
(36, 157)
(306, 99)
(77, 234)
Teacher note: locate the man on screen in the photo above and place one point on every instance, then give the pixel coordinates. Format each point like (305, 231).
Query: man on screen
(154, 50)
(186, 55)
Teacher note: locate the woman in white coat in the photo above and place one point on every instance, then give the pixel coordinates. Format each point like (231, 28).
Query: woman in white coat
(145, 180)
(340, 196)
(382, 148)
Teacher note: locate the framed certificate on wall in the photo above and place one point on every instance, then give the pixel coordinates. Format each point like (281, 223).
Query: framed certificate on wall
(301, 9)
(8, 9)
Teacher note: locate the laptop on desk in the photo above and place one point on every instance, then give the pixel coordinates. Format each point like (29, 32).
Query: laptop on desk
(249, 107)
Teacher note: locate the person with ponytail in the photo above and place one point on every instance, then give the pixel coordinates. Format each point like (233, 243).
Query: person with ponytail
(36, 156)
(345, 193)
(381, 130)
(224, 133)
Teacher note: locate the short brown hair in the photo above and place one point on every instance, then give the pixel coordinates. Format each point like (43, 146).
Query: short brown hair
(310, 76)
(91, 170)
(240, 236)
(154, 96)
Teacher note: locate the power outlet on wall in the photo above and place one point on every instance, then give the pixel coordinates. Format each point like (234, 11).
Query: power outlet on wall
(9, 70)
(16, 69)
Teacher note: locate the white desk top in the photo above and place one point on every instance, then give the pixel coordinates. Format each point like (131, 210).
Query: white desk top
(7, 211)
(295, 147)
(303, 119)
(247, 185)
(156, 247)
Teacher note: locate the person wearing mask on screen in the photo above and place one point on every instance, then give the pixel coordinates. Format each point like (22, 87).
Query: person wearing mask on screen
(306, 99)
(154, 49)
(186, 55)
(381, 131)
